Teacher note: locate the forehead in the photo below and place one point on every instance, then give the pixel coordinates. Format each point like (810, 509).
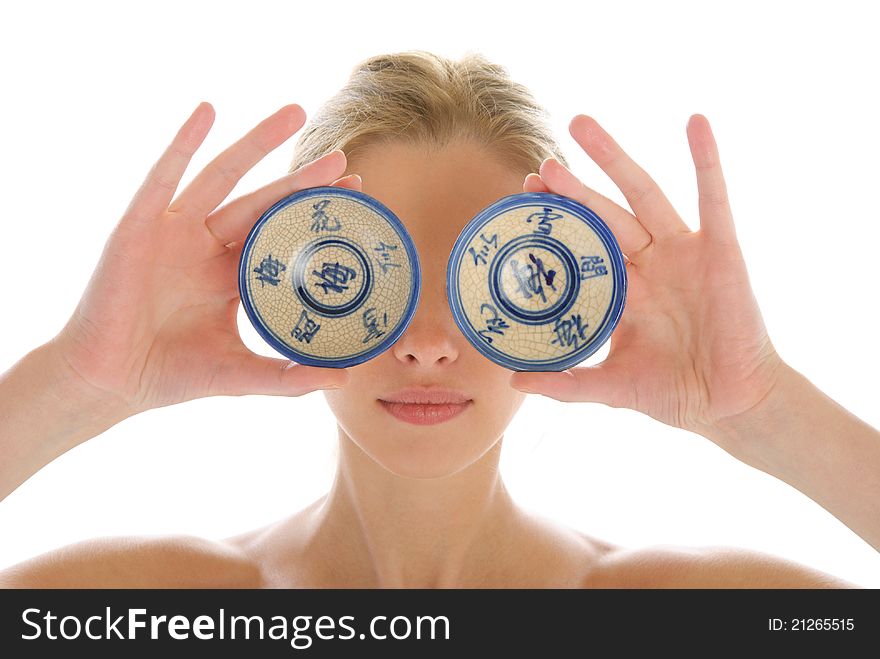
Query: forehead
(436, 190)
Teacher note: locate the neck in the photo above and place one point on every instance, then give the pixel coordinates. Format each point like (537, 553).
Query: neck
(398, 532)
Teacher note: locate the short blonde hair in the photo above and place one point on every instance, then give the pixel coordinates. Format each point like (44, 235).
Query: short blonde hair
(428, 100)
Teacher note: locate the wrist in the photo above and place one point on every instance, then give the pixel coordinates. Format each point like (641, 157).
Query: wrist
(760, 436)
(87, 409)
(44, 412)
(803, 437)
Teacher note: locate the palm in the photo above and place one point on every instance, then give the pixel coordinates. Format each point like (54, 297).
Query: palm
(145, 290)
(191, 288)
(691, 347)
(691, 340)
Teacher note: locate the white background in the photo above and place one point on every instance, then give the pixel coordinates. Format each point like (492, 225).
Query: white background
(93, 92)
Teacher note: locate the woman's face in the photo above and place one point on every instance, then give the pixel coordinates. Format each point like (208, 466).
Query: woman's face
(434, 195)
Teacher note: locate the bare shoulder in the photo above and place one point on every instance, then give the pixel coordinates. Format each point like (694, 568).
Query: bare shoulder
(668, 566)
(170, 561)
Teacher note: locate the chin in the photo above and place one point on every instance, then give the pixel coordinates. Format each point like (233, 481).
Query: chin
(413, 450)
(417, 451)
(415, 464)
(420, 462)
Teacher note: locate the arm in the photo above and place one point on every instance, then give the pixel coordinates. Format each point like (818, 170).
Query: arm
(44, 412)
(803, 437)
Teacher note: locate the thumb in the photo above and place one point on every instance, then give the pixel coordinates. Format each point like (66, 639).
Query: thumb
(603, 383)
(255, 374)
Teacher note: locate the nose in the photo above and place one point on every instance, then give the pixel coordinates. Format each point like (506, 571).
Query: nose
(432, 337)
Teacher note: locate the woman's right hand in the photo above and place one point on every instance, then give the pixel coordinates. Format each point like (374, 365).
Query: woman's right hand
(157, 323)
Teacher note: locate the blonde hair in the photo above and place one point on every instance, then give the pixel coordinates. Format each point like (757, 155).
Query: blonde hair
(428, 100)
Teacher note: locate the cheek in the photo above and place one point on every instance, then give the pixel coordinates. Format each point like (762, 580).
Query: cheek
(355, 406)
(342, 403)
(518, 399)
(502, 403)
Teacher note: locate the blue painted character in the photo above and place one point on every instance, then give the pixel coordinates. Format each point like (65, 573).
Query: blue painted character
(386, 262)
(529, 276)
(544, 218)
(371, 324)
(322, 221)
(269, 271)
(480, 256)
(590, 267)
(494, 324)
(306, 332)
(569, 332)
(334, 276)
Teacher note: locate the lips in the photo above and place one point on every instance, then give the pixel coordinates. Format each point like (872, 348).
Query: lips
(426, 406)
(427, 396)
(421, 414)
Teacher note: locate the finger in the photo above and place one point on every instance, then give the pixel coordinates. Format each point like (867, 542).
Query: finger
(647, 201)
(630, 234)
(534, 183)
(212, 185)
(158, 188)
(716, 218)
(249, 373)
(604, 383)
(232, 221)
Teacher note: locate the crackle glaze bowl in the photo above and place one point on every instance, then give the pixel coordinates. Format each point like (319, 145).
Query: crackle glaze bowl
(329, 277)
(536, 282)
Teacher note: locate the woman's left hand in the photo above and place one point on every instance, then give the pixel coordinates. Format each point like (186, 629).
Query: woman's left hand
(691, 348)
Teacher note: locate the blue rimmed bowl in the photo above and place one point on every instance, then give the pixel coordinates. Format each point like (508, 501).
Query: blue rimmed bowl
(329, 276)
(536, 282)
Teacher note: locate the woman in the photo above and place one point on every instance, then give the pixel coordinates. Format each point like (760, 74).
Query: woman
(423, 505)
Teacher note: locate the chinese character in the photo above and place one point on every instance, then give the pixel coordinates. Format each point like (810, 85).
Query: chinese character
(529, 277)
(480, 257)
(590, 267)
(494, 325)
(335, 276)
(306, 333)
(382, 248)
(322, 222)
(544, 218)
(371, 322)
(269, 270)
(569, 332)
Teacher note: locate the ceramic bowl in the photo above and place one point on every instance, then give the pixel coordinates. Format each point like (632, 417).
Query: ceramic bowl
(329, 277)
(536, 282)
